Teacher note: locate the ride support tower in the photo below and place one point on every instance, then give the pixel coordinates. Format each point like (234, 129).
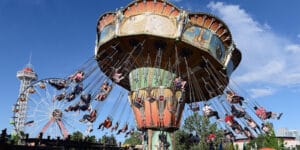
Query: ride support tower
(149, 46)
(26, 76)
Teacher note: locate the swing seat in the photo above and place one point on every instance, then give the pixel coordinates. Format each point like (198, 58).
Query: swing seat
(101, 97)
(84, 107)
(93, 116)
(86, 98)
(195, 108)
(60, 97)
(92, 119)
(70, 97)
(78, 90)
(124, 130)
(115, 127)
(237, 131)
(57, 84)
(107, 124)
(138, 104)
(181, 100)
(150, 99)
(78, 77)
(77, 80)
(178, 88)
(229, 123)
(240, 114)
(236, 99)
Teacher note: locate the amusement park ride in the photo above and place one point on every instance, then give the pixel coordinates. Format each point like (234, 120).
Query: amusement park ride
(165, 57)
(153, 43)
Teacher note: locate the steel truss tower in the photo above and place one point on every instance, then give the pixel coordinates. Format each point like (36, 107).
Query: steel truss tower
(26, 76)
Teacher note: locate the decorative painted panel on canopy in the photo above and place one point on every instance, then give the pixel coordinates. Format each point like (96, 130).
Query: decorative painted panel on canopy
(150, 77)
(206, 40)
(155, 33)
(159, 107)
(149, 24)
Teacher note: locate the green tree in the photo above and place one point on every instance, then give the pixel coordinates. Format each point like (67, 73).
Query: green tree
(15, 138)
(266, 140)
(257, 142)
(91, 139)
(228, 146)
(134, 139)
(271, 140)
(181, 140)
(110, 140)
(77, 136)
(202, 127)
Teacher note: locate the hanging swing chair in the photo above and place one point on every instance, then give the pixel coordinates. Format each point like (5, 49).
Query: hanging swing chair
(194, 107)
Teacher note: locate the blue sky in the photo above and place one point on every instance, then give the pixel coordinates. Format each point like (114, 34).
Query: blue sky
(60, 35)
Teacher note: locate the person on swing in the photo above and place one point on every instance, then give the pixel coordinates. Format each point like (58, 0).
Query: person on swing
(89, 117)
(263, 114)
(106, 123)
(104, 91)
(179, 83)
(209, 112)
(83, 104)
(233, 98)
(124, 129)
(253, 125)
(58, 83)
(248, 133)
(266, 127)
(115, 127)
(237, 111)
(231, 122)
(117, 76)
(77, 77)
(131, 131)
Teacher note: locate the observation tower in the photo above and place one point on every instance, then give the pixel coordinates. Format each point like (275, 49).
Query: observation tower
(26, 76)
(167, 58)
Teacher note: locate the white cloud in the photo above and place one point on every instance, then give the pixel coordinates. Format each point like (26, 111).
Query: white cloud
(259, 92)
(268, 58)
(267, 26)
(262, 73)
(293, 48)
(298, 35)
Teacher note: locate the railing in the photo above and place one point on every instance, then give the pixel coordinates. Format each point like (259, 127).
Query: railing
(6, 142)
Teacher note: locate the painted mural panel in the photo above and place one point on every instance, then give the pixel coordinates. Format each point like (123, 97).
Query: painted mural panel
(107, 33)
(197, 36)
(160, 25)
(217, 48)
(206, 40)
(149, 24)
(154, 77)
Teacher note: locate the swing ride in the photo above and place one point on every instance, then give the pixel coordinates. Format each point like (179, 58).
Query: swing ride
(163, 58)
(166, 58)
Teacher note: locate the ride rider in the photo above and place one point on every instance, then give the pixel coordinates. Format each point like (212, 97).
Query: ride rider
(209, 112)
(263, 114)
(107, 123)
(233, 98)
(104, 91)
